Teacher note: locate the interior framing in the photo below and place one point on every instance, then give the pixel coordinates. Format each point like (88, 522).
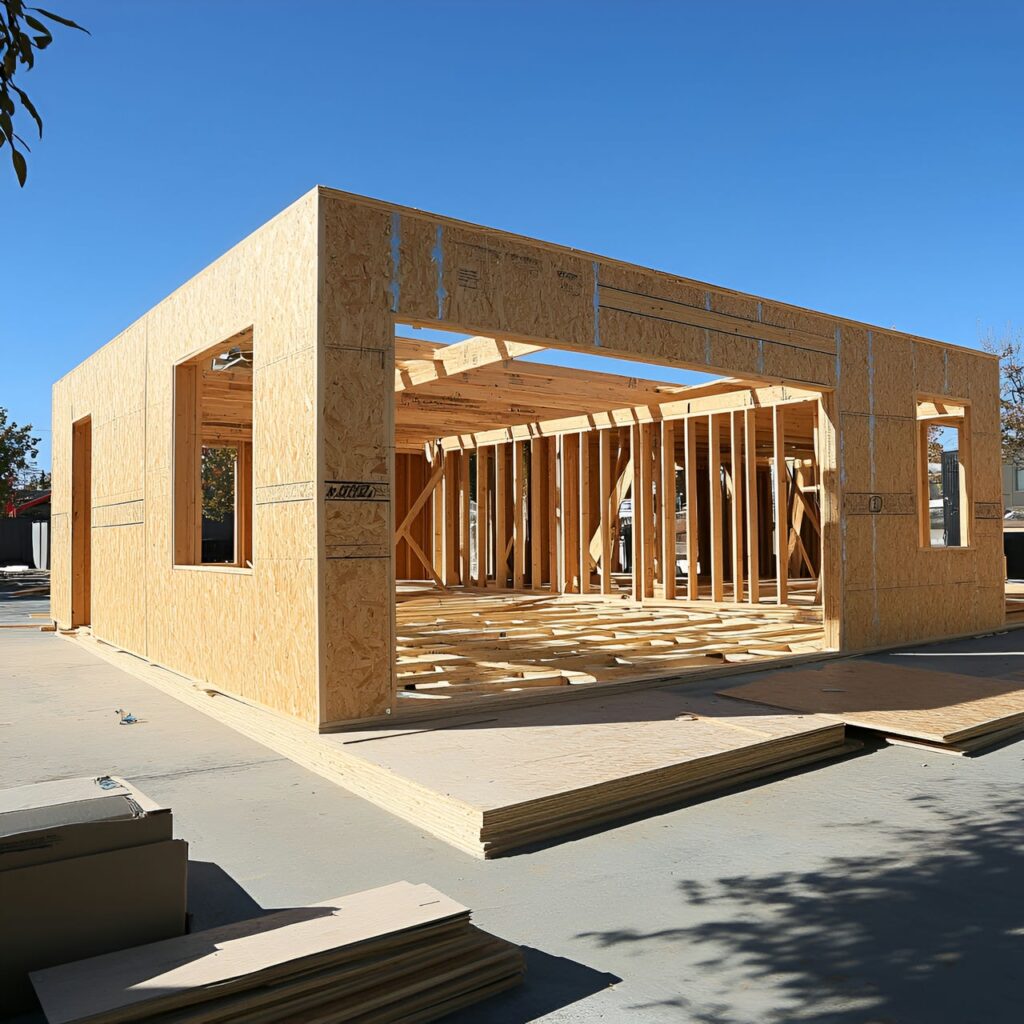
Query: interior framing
(551, 455)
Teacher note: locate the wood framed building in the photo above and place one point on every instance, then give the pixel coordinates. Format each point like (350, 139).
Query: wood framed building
(271, 485)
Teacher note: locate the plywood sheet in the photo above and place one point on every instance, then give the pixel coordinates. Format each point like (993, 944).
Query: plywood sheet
(183, 971)
(941, 707)
(541, 752)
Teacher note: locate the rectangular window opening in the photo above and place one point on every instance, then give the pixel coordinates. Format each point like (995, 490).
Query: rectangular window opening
(213, 413)
(944, 487)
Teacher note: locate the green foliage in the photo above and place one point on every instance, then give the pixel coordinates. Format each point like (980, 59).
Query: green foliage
(17, 448)
(22, 33)
(1010, 348)
(218, 474)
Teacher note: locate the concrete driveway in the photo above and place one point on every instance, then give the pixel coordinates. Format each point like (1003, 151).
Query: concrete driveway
(885, 888)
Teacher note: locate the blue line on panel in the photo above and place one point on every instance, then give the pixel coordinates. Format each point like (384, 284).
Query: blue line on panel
(437, 258)
(396, 252)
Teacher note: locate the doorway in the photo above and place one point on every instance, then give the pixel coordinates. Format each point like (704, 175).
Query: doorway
(81, 523)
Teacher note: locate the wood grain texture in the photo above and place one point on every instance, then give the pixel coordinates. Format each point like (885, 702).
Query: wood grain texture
(940, 707)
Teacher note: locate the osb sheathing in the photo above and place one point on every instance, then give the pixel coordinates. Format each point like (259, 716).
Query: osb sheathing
(881, 586)
(251, 633)
(323, 286)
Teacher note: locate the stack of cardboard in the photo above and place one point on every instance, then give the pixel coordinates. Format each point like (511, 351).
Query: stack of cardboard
(87, 866)
(402, 952)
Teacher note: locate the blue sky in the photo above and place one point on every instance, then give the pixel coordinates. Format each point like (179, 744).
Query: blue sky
(860, 158)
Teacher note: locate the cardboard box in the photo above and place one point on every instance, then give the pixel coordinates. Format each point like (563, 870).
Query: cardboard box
(64, 910)
(67, 818)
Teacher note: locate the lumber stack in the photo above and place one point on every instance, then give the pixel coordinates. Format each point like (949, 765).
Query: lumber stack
(401, 952)
(948, 711)
(87, 865)
(494, 784)
(498, 779)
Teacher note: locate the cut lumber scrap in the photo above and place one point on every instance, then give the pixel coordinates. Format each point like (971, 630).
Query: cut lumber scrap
(936, 707)
(372, 955)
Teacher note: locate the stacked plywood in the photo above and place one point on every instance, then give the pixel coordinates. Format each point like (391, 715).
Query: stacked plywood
(500, 779)
(402, 952)
(950, 711)
(489, 785)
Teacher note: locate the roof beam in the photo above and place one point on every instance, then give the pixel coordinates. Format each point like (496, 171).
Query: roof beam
(754, 397)
(460, 357)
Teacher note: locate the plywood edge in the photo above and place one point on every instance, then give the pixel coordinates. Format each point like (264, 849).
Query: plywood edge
(320, 473)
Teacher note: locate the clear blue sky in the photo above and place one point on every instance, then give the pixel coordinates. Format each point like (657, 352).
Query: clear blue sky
(861, 158)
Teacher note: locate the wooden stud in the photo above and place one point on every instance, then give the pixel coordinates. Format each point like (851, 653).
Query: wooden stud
(650, 537)
(966, 480)
(585, 530)
(607, 509)
(500, 521)
(451, 520)
(520, 515)
(781, 505)
(552, 521)
(572, 575)
(715, 508)
(639, 553)
(244, 505)
(736, 473)
(668, 509)
(465, 545)
(538, 475)
(437, 560)
(482, 513)
(753, 543)
(690, 428)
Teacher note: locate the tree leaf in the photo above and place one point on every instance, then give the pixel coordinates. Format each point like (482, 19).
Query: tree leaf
(30, 107)
(37, 25)
(20, 167)
(58, 18)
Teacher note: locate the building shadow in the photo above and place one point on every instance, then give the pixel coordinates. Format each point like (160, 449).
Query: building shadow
(215, 898)
(932, 931)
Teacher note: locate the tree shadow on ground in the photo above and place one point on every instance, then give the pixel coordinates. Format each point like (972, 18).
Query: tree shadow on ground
(932, 931)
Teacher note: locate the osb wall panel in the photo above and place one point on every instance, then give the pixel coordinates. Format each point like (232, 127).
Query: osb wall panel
(895, 590)
(250, 633)
(359, 292)
(383, 262)
(110, 388)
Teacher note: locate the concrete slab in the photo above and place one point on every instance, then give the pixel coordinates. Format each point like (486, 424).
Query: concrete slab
(881, 888)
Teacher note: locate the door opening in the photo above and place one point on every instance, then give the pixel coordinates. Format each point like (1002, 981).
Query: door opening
(81, 523)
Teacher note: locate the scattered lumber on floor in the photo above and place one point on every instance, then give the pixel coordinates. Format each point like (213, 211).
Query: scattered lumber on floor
(464, 644)
(954, 711)
(401, 952)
